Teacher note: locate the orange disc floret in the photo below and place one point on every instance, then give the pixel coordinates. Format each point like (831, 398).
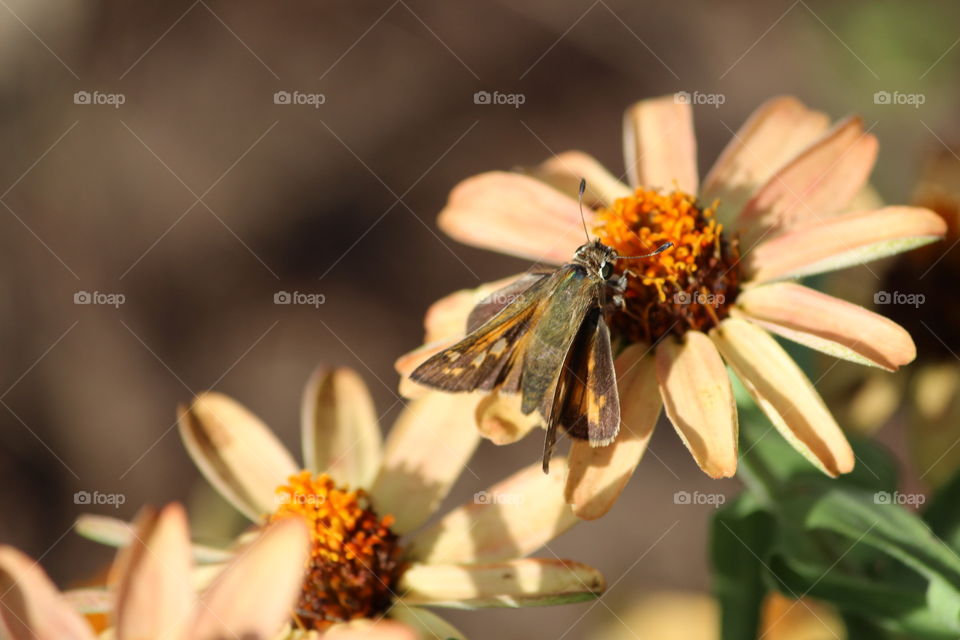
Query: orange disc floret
(355, 559)
(689, 286)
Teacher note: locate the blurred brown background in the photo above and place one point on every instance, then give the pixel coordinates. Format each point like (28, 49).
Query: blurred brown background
(199, 198)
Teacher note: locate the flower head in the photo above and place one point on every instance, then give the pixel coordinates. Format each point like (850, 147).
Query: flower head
(775, 207)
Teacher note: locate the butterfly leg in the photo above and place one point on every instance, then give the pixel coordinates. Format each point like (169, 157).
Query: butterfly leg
(549, 442)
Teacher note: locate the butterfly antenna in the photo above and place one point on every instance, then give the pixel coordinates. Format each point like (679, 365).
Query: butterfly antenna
(583, 187)
(660, 249)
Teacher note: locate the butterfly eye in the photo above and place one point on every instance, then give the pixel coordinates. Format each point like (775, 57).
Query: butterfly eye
(606, 270)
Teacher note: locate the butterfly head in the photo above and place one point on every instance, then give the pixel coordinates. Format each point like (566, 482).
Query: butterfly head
(597, 258)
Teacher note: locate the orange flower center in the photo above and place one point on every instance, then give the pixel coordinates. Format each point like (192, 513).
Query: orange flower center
(689, 286)
(355, 559)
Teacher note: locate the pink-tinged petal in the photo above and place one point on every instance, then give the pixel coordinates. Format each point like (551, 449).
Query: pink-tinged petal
(565, 170)
(447, 317)
(509, 520)
(785, 394)
(255, 594)
(154, 592)
(514, 214)
(427, 624)
(528, 582)
(370, 630)
(816, 184)
(426, 451)
(839, 242)
(828, 324)
(659, 146)
(598, 474)
(699, 401)
(114, 532)
(237, 453)
(341, 436)
(500, 419)
(31, 608)
(774, 133)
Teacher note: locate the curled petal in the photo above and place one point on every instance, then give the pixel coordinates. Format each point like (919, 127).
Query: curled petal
(509, 520)
(659, 147)
(842, 241)
(699, 401)
(514, 214)
(565, 170)
(236, 452)
(341, 436)
(598, 474)
(828, 324)
(785, 394)
(515, 583)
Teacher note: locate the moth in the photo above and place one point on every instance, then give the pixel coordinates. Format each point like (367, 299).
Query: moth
(546, 337)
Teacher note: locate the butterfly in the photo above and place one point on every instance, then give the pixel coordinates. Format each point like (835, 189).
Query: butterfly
(546, 337)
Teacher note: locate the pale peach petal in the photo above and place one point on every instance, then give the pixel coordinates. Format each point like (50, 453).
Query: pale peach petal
(154, 592)
(372, 630)
(842, 241)
(500, 419)
(236, 452)
(447, 317)
(255, 594)
(785, 394)
(699, 401)
(515, 583)
(509, 520)
(428, 625)
(598, 474)
(514, 214)
(426, 451)
(341, 435)
(114, 532)
(816, 184)
(565, 170)
(31, 608)
(659, 146)
(828, 324)
(774, 133)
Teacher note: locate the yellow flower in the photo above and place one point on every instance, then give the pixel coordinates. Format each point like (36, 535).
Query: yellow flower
(362, 500)
(773, 208)
(152, 595)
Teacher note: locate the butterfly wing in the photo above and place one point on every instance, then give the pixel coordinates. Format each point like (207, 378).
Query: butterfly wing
(499, 299)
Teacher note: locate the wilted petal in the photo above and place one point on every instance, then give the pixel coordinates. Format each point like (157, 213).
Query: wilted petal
(514, 214)
(699, 401)
(153, 574)
(500, 419)
(114, 532)
(509, 520)
(828, 324)
(341, 436)
(659, 146)
(816, 184)
(236, 452)
(426, 451)
(598, 474)
(31, 608)
(255, 594)
(779, 129)
(426, 623)
(842, 241)
(565, 170)
(527, 582)
(785, 394)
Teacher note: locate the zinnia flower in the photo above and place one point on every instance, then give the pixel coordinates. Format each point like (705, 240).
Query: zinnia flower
(151, 595)
(774, 208)
(362, 499)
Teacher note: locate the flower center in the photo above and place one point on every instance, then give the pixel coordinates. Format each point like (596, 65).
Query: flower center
(355, 559)
(689, 286)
